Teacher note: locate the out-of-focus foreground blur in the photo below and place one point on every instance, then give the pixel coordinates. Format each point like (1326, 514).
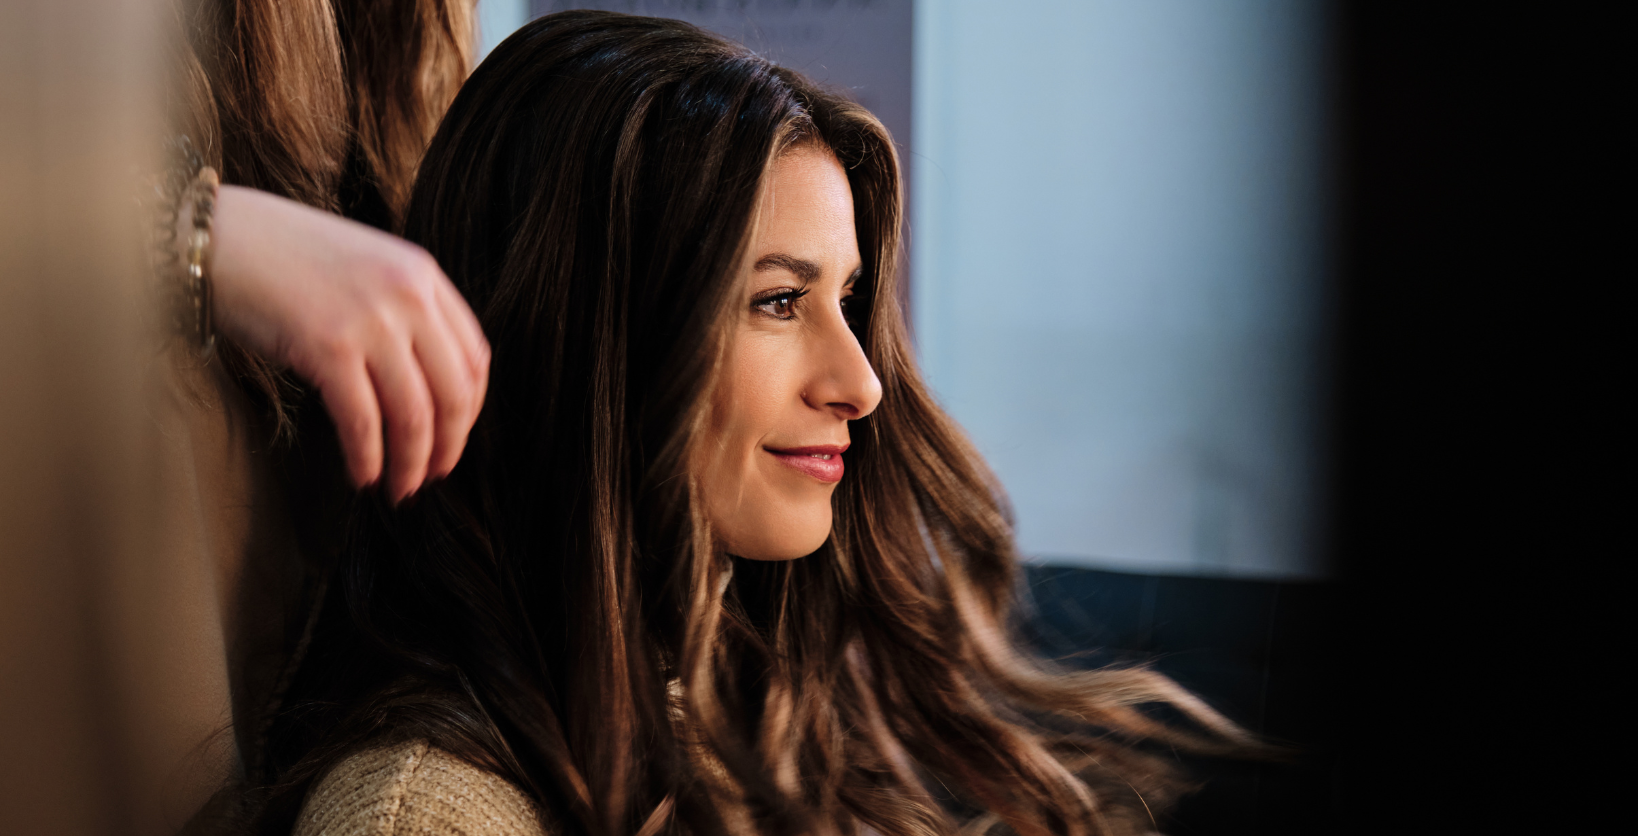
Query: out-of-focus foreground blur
(112, 673)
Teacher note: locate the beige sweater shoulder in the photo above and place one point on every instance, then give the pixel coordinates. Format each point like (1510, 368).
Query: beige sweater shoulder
(414, 788)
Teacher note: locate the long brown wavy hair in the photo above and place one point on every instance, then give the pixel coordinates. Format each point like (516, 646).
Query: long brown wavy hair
(558, 612)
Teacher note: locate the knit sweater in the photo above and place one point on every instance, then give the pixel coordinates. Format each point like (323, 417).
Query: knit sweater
(414, 788)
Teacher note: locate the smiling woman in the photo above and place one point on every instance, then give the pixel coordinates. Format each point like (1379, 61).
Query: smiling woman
(685, 260)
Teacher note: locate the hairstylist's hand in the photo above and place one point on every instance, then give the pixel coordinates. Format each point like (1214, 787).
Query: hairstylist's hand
(366, 317)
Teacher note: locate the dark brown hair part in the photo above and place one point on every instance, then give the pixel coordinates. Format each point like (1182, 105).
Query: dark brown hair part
(556, 611)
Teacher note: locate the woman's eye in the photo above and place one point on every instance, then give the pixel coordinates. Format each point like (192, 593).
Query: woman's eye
(779, 306)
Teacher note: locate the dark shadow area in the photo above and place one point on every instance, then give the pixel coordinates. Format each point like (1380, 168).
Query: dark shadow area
(1262, 652)
(1474, 415)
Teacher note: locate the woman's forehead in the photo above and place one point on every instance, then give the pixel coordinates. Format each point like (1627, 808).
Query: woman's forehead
(806, 211)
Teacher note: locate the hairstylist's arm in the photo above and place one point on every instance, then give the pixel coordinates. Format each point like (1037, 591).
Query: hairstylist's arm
(366, 317)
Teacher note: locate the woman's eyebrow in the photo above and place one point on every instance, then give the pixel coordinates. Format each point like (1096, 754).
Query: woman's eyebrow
(802, 268)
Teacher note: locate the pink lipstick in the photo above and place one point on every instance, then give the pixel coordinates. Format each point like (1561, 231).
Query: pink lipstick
(823, 462)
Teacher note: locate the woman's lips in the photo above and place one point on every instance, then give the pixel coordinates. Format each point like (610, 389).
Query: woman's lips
(823, 463)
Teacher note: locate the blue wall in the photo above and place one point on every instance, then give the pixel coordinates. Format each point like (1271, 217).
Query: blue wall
(497, 19)
(1120, 271)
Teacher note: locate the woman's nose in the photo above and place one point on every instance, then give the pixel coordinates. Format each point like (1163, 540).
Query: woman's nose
(844, 382)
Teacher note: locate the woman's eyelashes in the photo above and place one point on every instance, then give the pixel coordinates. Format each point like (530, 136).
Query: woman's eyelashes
(779, 304)
(785, 304)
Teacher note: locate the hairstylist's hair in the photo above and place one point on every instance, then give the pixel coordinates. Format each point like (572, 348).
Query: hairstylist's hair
(286, 95)
(326, 102)
(557, 611)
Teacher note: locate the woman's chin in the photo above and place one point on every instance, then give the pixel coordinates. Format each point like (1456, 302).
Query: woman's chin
(781, 552)
(788, 543)
(776, 557)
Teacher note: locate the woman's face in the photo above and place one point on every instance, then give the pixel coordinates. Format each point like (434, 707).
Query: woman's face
(795, 374)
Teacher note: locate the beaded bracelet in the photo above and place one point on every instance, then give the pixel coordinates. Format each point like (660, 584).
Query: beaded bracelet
(182, 277)
(196, 281)
(169, 188)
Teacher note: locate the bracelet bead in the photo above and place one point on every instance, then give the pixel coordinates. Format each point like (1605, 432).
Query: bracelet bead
(197, 284)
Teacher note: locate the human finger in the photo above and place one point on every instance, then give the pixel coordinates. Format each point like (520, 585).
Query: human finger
(349, 395)
(453, 388)
(466, 327)
(475, 345)
(407, 414)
